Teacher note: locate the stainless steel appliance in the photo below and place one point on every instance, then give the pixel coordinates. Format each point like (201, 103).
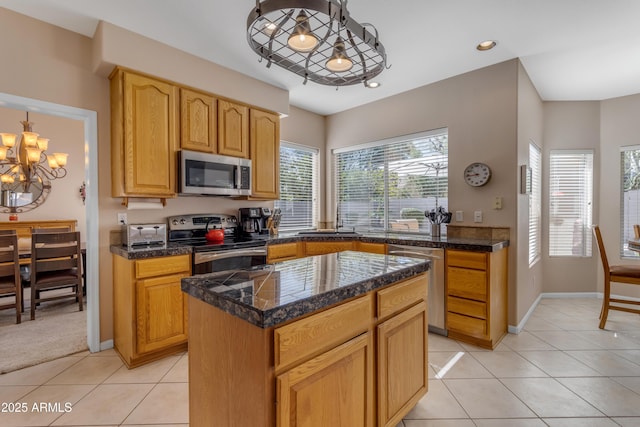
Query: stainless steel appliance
(436, 297)
(238, 250)
(135, 235)
(212, 174)
(253, 221)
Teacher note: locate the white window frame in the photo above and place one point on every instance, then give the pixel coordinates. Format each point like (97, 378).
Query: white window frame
(570, 203)
(629, 207)
(535, 204)
(315, 185)
(386, 220)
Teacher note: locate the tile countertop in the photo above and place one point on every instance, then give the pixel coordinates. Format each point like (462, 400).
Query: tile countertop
(271, 294)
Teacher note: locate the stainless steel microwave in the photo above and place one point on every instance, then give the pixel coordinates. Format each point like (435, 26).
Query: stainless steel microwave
(212, 174)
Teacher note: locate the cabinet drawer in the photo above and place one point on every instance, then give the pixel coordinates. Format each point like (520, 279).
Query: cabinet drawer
(475, 260)
(282, 251)
(310, 336)
(161, 266)
(466, 325)
(467, 307)
(401, 295)
(467, 283)
(321, 248)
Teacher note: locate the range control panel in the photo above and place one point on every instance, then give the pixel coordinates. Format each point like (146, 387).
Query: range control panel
(200, 221)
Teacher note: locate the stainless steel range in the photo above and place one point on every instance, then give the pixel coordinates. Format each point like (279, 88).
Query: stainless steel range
(238, 250)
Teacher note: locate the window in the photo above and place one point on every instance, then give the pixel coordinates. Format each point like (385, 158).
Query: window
(299, 170)
(630, 194)
(535, 202)
(390, 184)
(570, 202)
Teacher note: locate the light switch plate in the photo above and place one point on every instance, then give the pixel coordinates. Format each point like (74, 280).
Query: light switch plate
(459, 216)
(497, 203)
(477, 216)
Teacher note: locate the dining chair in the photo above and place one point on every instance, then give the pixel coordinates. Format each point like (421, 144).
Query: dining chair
(636, 231)
(51, 229)
(627, 274)
(56, 263)
(10, 272)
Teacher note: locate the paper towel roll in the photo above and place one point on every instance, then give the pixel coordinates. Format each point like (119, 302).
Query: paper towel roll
(144, 204)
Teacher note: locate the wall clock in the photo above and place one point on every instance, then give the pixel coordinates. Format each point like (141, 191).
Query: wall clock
(477, 174)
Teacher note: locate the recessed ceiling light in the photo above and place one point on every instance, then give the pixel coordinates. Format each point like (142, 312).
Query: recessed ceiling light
(372, 85)
(486, 45)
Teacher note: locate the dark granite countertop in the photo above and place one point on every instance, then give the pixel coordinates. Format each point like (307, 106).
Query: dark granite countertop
(275, 293)
(144, 252)
(411, 239)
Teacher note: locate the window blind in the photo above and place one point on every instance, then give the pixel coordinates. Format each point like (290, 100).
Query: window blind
(570, 202)
(535, 203)
(630, 195)
(379, 185)
(299, 187)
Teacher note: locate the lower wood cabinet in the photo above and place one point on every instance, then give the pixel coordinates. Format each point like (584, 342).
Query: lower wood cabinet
(150, 309)
(332, 389)
(477, 296)
(285, 251)
(327, 247)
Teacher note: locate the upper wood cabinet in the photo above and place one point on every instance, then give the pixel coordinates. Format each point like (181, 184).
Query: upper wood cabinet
(144, 132)
(198, 118)
(233, 129)
(265, 154)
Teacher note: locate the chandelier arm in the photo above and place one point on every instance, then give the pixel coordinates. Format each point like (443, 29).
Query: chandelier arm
(284, 19)
(358, 51)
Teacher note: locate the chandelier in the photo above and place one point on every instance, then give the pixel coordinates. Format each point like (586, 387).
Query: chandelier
(25, 167)
(317, 40)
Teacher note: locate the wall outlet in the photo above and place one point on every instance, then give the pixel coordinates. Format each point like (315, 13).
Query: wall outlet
(497, 203)
(459, 216)
(122, 218)
(477, 216)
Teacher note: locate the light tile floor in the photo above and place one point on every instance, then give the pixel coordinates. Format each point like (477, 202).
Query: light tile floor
(560, 371)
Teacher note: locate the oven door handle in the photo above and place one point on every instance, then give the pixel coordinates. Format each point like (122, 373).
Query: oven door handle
(202, 257)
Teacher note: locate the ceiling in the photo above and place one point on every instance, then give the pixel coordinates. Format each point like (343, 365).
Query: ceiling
(571, 49)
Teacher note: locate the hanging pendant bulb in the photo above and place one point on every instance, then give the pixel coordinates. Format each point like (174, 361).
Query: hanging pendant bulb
(339, 62)
(302, 39)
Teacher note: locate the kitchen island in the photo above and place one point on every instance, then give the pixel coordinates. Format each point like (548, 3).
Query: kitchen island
(337, 339)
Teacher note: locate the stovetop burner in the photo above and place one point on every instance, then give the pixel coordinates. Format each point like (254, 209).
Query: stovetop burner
(190, 230)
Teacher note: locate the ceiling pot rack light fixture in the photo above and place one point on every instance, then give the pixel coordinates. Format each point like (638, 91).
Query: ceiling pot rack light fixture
(24, 162)
(317, 40)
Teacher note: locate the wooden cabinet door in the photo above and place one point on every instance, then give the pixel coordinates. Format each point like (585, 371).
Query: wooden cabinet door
(333, 389)
(321, 248)
(161, 313)
(150, 136)
(233, 129)
(265, 154)
(198, 121)
(402, 364)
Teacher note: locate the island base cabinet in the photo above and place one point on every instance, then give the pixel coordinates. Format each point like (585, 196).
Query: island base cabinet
(402, 364)
(333, 389)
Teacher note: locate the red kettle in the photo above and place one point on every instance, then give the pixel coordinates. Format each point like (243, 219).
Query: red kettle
(214, 235)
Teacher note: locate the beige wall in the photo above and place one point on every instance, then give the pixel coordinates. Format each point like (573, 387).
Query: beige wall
(570, 125)
(619, 127)
(530, 128)
(480, 110)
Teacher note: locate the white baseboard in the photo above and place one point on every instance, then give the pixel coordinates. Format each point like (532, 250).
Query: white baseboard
(106, 345)
(517, 329)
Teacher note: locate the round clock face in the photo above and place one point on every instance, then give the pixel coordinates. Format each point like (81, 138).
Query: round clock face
(477, 174)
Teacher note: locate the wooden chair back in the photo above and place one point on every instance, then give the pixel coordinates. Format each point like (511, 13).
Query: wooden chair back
(10, 272)
(636, 231)
(603, 253)
(56, 263)
(51, 229)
